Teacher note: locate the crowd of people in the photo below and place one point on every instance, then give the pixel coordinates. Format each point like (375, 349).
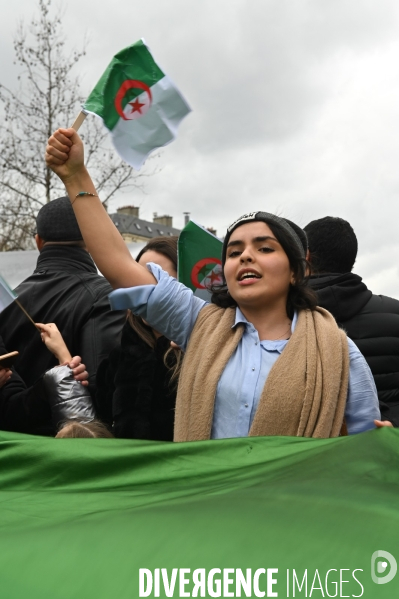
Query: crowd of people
(291, 343)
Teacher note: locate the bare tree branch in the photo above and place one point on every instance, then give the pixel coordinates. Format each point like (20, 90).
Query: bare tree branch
(48, 96)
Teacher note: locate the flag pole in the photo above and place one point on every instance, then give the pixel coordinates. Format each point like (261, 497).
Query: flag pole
(26, 314)
(79, 120)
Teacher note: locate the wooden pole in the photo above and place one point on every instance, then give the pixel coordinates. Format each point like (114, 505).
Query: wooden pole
(79, 120)
(26, 314)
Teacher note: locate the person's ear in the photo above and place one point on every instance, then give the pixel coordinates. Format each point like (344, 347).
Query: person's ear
(39, 242)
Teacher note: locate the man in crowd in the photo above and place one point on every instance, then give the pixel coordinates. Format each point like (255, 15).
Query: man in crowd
(66, 289)
(371, 321)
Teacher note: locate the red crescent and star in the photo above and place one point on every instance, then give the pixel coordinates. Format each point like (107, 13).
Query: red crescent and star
(204, 269)
(136, 105)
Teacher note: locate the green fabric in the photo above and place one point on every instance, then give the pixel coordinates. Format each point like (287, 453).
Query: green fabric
(80, 517)
(133, 62)
(197, 246)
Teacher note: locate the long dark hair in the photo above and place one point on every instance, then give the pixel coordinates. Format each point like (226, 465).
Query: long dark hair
(167, 246)
(300, 295)
(163, 245)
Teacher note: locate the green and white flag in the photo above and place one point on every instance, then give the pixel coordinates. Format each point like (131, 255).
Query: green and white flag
(7, 295)
(199, 259)
(138, 103)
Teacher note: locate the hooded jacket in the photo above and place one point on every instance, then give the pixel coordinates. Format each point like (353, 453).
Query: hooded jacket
(372, 322)
(65, 288)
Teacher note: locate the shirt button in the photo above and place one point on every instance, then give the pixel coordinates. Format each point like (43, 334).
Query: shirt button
(246, 405)
(253, 369)
(256, 343)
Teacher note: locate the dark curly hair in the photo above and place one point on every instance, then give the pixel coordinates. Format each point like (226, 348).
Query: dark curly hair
(332, 245)
(300, 295)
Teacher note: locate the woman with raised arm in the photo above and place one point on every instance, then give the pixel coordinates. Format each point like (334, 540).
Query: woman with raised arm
(262, 359)
(64, 155)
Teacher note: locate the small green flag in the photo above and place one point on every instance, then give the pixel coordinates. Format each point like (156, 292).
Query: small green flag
(199, 259)
(138, 103)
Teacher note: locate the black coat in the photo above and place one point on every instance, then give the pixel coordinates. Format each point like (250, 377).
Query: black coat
(25, 409)
(65, 288)
(39, 409)
(372, 322)
(134, 395)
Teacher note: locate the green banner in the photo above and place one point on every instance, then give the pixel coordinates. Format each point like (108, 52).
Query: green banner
(199, 258)
(249, 517)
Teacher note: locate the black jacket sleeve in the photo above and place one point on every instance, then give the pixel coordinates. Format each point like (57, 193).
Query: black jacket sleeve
(105, 388)
(99, 335)
(25, 409)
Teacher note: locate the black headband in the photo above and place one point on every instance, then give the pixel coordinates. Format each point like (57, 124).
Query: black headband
(265, 217)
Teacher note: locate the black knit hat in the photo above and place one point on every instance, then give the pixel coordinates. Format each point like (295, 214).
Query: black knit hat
(301, 234)
(297, 234)
(56, 221)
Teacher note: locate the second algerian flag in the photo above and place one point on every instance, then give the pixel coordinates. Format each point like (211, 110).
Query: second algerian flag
(199, 259)
(138, 104)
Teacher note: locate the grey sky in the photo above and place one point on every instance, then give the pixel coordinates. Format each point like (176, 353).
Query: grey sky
(295, 109)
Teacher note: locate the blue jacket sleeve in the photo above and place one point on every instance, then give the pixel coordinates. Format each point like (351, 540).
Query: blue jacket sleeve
(168, 307)
(362, 406)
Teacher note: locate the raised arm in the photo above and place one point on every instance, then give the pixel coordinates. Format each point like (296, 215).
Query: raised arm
(65, 156)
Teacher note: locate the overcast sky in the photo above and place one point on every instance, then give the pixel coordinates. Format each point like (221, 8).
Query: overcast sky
(295, 109)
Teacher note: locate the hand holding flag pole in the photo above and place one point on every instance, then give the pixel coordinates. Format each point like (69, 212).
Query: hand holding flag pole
(79, 120)
(138, 103)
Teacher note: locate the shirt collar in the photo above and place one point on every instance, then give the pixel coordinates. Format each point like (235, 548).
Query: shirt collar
(241, 318)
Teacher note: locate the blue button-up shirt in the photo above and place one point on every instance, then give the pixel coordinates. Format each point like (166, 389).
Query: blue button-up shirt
(172, 309)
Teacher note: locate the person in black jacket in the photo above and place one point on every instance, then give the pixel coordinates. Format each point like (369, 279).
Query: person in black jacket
(66, 289)
(371, 321)
(60, 394)
(136, 384)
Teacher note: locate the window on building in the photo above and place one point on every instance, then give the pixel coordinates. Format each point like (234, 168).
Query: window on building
(137, 226)
(160, 232)
(149, 229)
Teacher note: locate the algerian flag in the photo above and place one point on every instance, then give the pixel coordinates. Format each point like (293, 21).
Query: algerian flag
(199, 259)
(138, 103)
(7, 295)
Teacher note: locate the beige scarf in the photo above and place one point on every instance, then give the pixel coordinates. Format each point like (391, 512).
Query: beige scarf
(304, 394)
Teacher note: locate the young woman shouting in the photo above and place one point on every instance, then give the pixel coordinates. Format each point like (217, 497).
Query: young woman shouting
(262, 359)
